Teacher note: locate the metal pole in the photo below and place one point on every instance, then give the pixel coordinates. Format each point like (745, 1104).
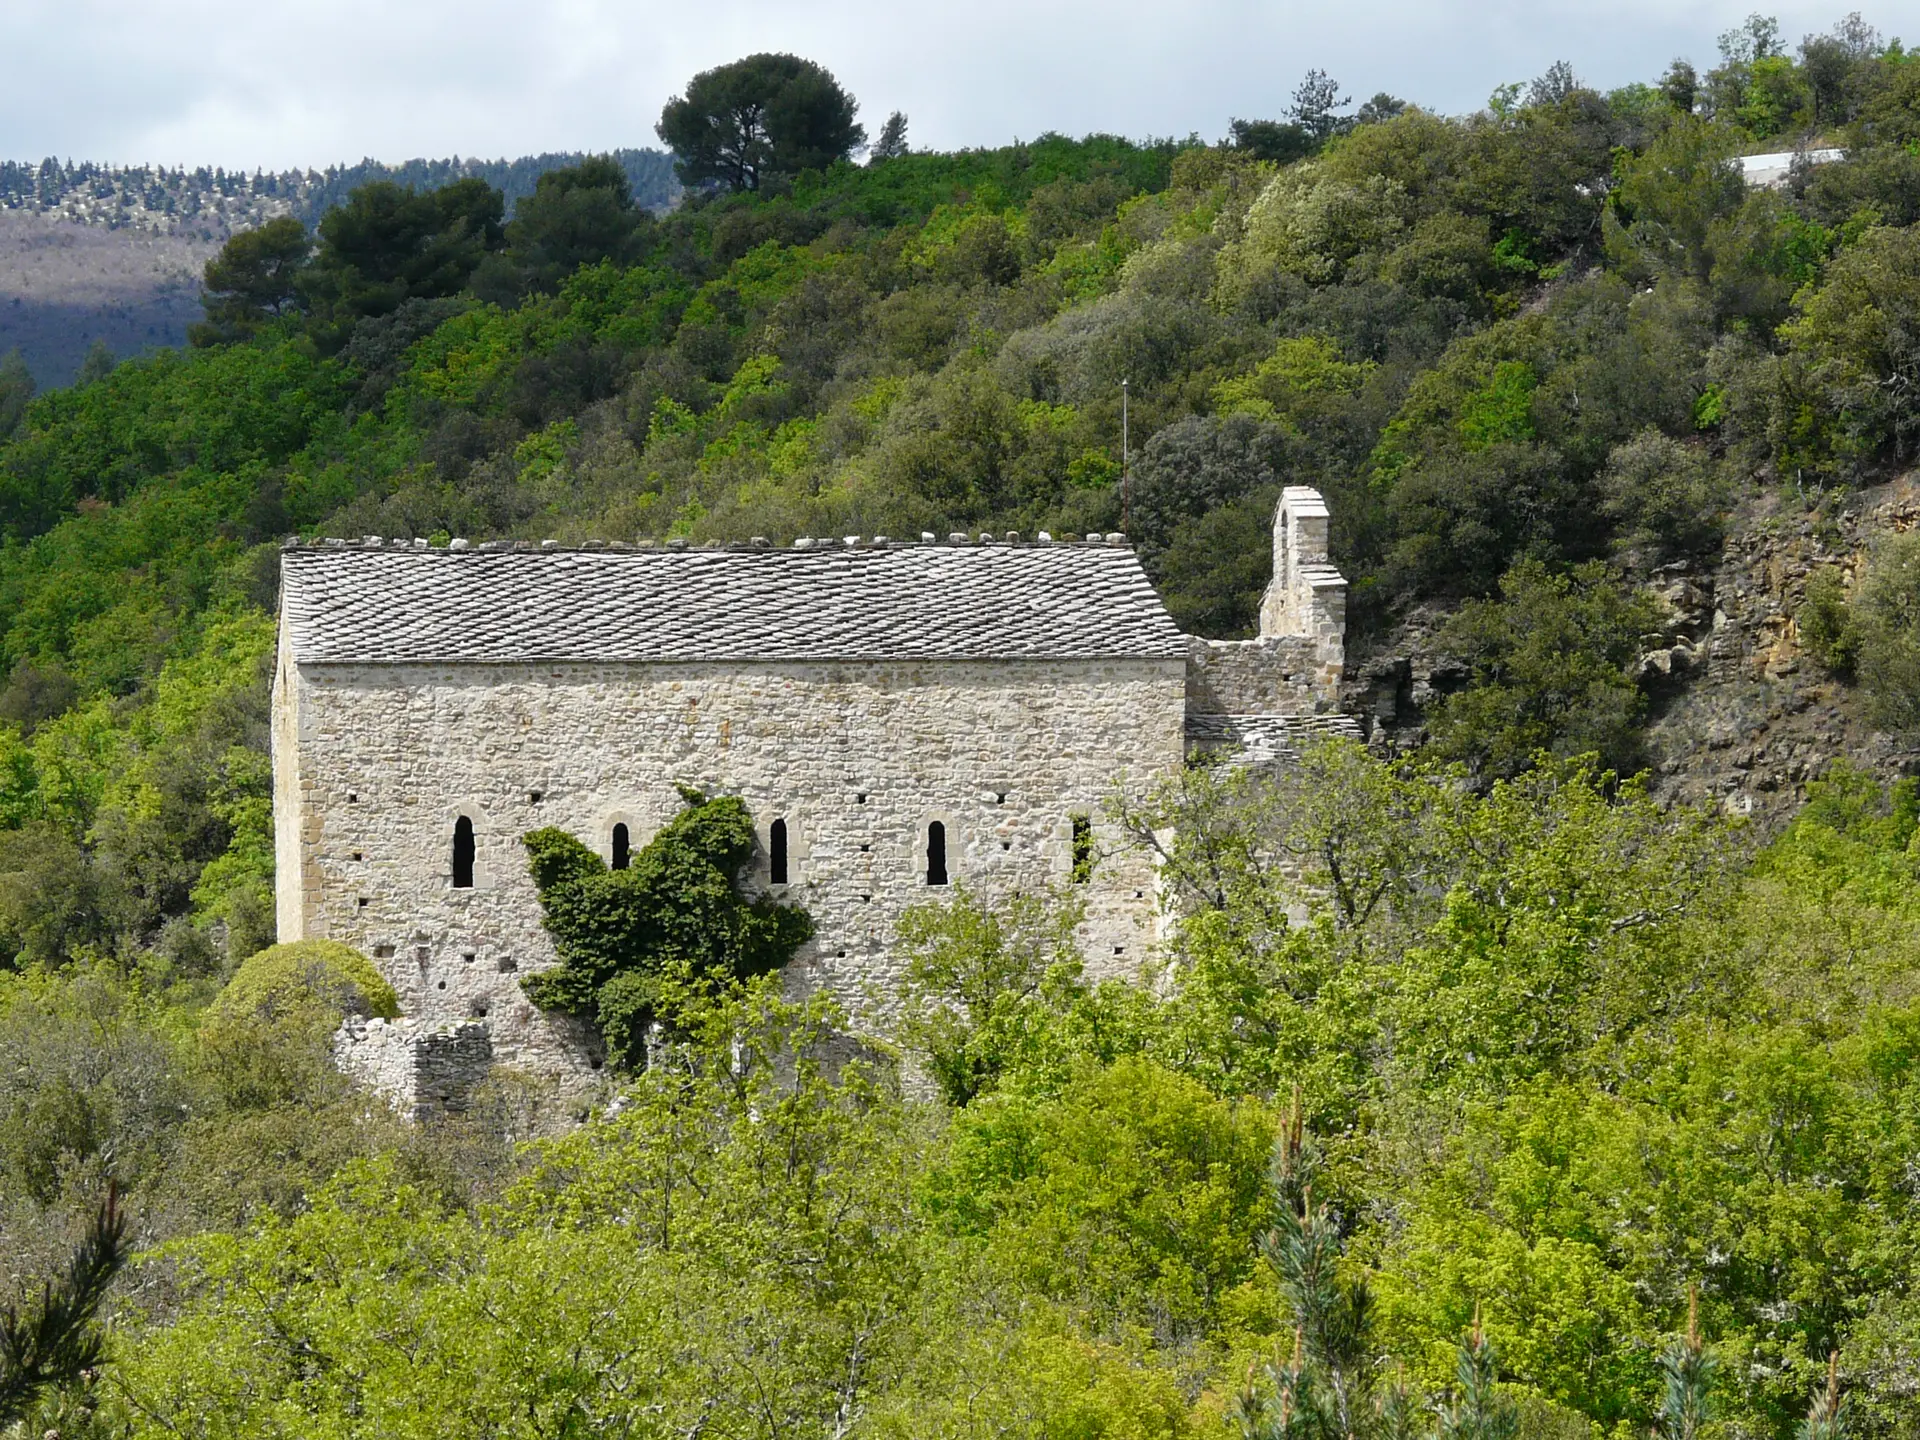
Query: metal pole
(1126, 464)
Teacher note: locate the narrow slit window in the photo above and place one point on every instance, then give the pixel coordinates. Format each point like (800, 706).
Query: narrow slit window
(463, 854)
(777, 852)
(936, 854)
(1082, 849)
(622, 847)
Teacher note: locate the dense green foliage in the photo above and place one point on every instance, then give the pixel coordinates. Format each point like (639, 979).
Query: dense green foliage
(1571, 1059)
(1569, 1054)
(1550, 659)
(665, 936)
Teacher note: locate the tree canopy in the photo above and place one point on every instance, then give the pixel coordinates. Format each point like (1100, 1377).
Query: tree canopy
(739, 124)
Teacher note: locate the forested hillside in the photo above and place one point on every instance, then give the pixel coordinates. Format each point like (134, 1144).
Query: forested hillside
(1560, 1056)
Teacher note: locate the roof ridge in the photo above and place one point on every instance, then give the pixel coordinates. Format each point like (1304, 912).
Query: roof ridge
(956, 540)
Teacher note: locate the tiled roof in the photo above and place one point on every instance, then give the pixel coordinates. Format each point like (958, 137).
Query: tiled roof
(372, 603)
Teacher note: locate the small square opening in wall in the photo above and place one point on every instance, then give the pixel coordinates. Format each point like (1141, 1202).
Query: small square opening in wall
(467, 957)
(534, 797)
(999, 797)
(1119, 949)
(362, 902)
(383, 952)
(507, 965)
(860, 797)
(1006, 845)
(352, 799)
(356, 855)
(478, 1009)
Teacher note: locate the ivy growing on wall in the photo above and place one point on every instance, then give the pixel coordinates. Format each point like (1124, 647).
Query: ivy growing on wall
(663, 936)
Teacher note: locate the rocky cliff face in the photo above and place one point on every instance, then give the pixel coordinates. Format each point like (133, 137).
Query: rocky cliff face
(1740, 715)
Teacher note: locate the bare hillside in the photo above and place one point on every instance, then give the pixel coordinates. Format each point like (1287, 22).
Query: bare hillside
(64, 285)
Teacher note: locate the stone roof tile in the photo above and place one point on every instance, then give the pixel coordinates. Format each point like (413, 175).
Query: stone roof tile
(379, 605)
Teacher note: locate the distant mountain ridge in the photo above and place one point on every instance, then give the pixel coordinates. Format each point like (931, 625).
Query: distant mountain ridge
(113, 254)
(212, 203)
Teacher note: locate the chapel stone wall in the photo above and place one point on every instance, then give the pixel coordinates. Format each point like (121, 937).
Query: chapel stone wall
(857, 758)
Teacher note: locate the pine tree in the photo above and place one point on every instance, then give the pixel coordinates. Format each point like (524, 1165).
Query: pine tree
(893, 139)
(55, 1341)
(1688, 1368)
(1476, 1410)
(1827, 1417)
(1322, 1392)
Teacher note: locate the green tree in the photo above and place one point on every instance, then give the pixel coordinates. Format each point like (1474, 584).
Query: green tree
(1687, 1373)
(1826, 623)
(1550, 660)
(1843, 396)
(1278, 142)
(765, 115)
(16, 389)
(387, 245)
(98, 363)
(1316, 99)
(1886, 620)
(1680, 86)
(892, 143)
(266, 1039)
(662, 938)
(1667, 497)
(1668, 200)
(581, 215)
(252, 281)
(973, 981)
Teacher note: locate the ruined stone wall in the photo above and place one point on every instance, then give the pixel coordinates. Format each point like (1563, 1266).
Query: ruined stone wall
(1274, 675)
(424, 1073)
(857, 758)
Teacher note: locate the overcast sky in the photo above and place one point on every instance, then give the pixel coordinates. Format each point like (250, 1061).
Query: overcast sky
(281, 83)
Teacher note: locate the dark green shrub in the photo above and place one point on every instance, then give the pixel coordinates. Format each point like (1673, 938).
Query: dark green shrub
(1887, 612)
(267, 1039)
(1827, 628)
(1550, 662)
(1667, 497)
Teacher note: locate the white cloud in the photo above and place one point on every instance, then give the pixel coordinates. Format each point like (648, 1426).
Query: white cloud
(275, 83)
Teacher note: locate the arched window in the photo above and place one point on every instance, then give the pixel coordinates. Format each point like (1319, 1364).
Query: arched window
(936, 854)
(777, 852)
(622, 847)
(463, 854)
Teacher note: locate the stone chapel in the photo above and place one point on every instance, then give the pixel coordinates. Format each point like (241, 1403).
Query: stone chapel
(900, 717)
